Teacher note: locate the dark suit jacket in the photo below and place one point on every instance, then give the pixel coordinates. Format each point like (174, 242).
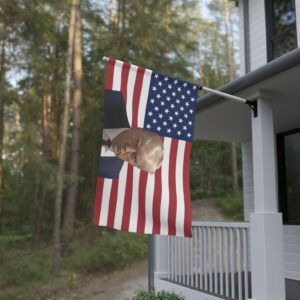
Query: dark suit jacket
(114, 116)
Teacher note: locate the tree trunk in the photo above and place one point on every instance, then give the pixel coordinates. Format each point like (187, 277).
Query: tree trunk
(2, 78)
(231, 73)
(69, 216)
(113, 16)
(45, 107)
(46, 150)
(40, 217)
(229, 46)
(63, 147)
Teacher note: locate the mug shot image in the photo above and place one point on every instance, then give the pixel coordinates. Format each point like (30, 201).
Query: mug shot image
(120, 143)
(139, 147)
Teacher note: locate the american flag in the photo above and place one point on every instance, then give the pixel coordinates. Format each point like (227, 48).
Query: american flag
(138, 201)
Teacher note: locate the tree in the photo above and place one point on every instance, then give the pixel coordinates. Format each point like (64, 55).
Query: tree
(2, 79)
(160, 35)
(232, 75)
(217, 60)
(69, 216)
(62, 154)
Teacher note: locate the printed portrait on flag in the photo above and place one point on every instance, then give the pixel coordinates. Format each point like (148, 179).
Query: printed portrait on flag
(120, 143)
(143, 179)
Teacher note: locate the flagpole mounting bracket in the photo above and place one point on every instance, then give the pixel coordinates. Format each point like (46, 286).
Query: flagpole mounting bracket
(253, 106)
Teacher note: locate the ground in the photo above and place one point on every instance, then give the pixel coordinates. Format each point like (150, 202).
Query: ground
(121, 284)
(115, 286)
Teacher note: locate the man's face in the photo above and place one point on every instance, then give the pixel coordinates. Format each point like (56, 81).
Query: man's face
(127, 146)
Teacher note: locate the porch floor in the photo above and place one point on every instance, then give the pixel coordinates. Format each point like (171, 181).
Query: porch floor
(292, 287)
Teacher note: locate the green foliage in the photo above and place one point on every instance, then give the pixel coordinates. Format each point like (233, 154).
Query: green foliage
(108, 253)
(161, 35)
(143, 295)
(27, 267)
(210, 169)
(232, 206)
(22, 267)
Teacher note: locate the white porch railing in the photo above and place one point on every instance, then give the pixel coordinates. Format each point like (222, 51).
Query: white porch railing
(215, 260)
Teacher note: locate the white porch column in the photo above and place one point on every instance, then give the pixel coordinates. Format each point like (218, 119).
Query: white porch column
(265, 223)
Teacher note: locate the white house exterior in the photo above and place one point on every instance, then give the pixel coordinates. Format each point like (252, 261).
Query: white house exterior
(258, 259)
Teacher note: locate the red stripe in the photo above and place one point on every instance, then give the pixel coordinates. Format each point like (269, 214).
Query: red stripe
(98, 200)
(112, 203)
(124, 80)
(157, 202)
(172, 188)
(136, 95)
(186, 190)
(109, 74)
(129, 180)
(142, 202)
(128, 199)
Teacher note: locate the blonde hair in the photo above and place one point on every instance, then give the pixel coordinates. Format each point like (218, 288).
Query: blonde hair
(153, 149)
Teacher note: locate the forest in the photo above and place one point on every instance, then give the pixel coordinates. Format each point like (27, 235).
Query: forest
(51, 90)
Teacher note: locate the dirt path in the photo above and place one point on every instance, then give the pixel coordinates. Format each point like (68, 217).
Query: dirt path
(122, 284)
(205, 210)
(118, 285)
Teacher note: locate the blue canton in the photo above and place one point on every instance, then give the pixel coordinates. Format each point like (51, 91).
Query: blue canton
(171, 107)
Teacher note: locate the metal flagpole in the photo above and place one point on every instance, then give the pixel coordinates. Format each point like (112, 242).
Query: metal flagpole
(252, 104)
(239, 99)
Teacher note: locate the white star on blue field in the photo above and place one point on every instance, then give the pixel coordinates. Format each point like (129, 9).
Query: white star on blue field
(171, 107)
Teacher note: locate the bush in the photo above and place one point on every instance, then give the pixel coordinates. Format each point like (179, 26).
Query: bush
(143, 295)
(232, 206)
(112, 251)
(24, 268)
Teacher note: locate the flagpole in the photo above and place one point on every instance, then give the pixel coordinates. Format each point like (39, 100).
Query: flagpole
(239, 99)
(252, 104)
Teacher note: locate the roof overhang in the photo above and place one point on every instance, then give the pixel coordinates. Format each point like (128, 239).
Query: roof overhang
(221, 119)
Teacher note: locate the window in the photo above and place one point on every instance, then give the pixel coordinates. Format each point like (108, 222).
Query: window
(288, 144)
(281, 27)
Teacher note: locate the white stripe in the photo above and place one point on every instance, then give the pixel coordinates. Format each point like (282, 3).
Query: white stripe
(179, 189)
(121, 196)
(164, 208)
(149, 203)
(136, 172)
(117, 76)
(144, 97)
(105, 202)
(135, 200)
(123, 173)
(130, 89)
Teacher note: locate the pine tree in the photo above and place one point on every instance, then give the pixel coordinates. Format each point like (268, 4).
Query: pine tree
(63, 150)
(69, 215)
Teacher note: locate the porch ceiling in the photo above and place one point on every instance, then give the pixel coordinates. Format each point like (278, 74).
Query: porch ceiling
(226, 120)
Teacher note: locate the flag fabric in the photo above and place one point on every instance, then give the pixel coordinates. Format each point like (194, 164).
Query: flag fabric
(139, 201)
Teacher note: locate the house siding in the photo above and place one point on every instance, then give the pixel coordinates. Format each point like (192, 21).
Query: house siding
(257, 33)
(257, 26)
